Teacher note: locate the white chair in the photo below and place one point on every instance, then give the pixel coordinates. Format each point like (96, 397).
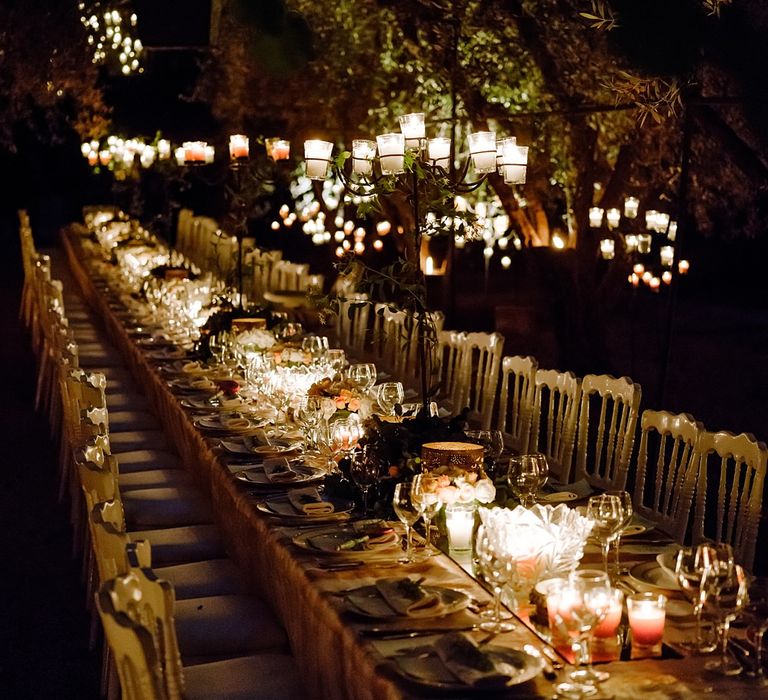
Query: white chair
(184, 231)
(667, 470)
(554, 418)
(448, 368)
(262, 262)
(287, 276)
(482, 359)
(352, 323)
(516, 401)
(140, 616)
(735, 484)
(605, 440)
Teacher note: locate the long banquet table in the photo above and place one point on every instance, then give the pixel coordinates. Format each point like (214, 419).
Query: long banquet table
(335, 660)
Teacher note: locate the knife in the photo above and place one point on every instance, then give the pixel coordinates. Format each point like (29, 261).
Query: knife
(411, 633)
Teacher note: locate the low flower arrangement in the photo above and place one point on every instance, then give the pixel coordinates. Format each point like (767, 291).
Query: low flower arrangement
(341, 398)
(257, 340)
(286, 356)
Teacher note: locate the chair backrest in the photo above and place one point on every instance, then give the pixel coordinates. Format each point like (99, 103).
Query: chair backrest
(352, 324)
(288, 275)
(136, 610)
(516, 401)
(604, 445)
(666, 470)
(109, 541)
(482, 360)
(735, 483)
(448, 366)
(184, 231)
(554, 418)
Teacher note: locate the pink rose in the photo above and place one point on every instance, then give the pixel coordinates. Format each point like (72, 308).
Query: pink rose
(353, 404)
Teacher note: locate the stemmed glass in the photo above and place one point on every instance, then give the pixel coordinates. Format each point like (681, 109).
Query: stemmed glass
(691, 567)
(526, 475)
(756, 614)
(424, 493)
(313, 345)
(498, 570)
(341, 437)
(626, 504)
(607, 514)
(389, 395)
(336, 359)
(363, 375)
(575, 608)
(727, 594)
(364, 470)
(310, 414)
(492, 442)
(408, 513)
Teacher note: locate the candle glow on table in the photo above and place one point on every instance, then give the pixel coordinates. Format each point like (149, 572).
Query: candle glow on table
(647, 614)
(460, 522)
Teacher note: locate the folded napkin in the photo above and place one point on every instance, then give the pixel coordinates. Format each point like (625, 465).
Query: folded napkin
(259, 438)
(354, 540)
(235, 421)
(407, 597)
(233, 402)
(309, 502)
(277, 469)
(470, 664)
(193, 367)
(202, 384)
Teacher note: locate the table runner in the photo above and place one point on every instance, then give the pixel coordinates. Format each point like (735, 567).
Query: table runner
(335, 662)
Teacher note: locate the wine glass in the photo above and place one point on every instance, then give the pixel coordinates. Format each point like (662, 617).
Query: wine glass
(362, 375)
(389, 395)
(575, 608)
(364, 470)
(626, 504)
(408, 513)
(756, 614)
(425, 494)
(526, 475)
(336, 360)
(607, 514)
(691, 566)
(591, 578)
(313, 345)
(498, 570)
(726, 585)
(309, 414)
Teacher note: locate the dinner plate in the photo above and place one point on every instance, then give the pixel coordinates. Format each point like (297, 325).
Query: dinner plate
(650, 574)
(248, 446)
(557, 497)
(257, 477)
(423, 666)
(366, 601)
(218, 423)
(339, 534)
(187, 385)
(281, 507)
(212, 403)
(634, 529)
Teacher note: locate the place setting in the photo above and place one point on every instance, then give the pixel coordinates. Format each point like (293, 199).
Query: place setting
(305, 505)
(279, 473)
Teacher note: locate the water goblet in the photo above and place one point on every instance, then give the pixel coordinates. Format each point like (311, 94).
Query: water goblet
(364, 470)
(336, 360)
(727, 588)
(408, 513)
(313, 346)
(362, 375)
(756, 615)
(425, 493)
(691, 567)
(607, 515)
(389, 395)
(498, 570)
(626, 503)
(526, 475)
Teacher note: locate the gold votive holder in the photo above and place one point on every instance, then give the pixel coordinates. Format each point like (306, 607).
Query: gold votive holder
(464, 456)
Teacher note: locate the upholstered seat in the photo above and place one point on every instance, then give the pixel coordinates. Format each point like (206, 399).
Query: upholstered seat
(143, 460)
(176, 545)
(131, 440)
(153, 478)
(166, 507)
(131, 419)
(126, 400)
(262, 677)
(200, 579)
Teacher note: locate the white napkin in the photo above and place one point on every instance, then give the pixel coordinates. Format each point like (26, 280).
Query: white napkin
(234, 402)
(278, 470)
(461, 656)
(260, 437)
(202, 384)
(309, 502)
(193, 367)
(235, 422)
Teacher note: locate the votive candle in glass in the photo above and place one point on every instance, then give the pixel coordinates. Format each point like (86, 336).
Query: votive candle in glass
(277, 148)
(363, 153)
(608, 248)
(609, 625)
(460, 523)
(630, 241)
(683, 266)
(482, 147)
(514, 163)
(613, 216)
(651, 219)
(413, 129)
(209, 153)
(317, 154)
(439, 151)
(644, 243)
(595, 217)
(194, 151)
(502, 144)
(238, 146)
(667, 255)
(391, 153)
(164, 149)
(631, 206)
(647, 614)
(672, 231)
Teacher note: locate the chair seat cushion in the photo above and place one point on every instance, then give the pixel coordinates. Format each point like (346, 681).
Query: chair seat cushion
(154, 478)
(126, 420)
(166, 507)
(99, 358)
(178, 545)
(130, 440)
(262, 677)
(125, 401)
(225, 626)
(144, 460)
(203, 578)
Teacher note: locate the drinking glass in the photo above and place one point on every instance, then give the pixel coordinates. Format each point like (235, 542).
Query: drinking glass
(607, 515)
(408, 513)
(626, 504)
(727, 594)
(389, 395)
(313, 345)
(526, 475)
(424, 492)
(498, 570)
(336, 359)
(364, 470)
(363, 375)
(575, 608)
(756, 614)
(310, 414)
(691, 567)
(288, 331)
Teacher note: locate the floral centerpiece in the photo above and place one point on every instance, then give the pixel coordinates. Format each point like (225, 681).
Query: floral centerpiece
(257, 340)
(290, 356)
(341, 398)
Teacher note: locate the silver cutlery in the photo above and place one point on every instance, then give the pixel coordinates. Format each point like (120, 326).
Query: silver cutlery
(384, 633)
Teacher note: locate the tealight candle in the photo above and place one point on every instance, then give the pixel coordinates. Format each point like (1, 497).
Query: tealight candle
(613, 217)
(683, 266)
(363, 153)
(238, 146)
(631, 205)
(460, 523)
(439, 151)
(646, 612)
(482, 147)
(317, 153)
(391, 153)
